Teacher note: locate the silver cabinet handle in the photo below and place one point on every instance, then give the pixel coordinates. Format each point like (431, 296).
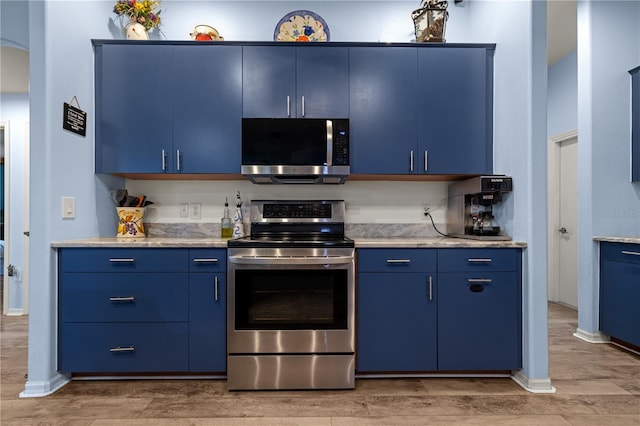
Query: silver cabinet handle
(426, 160)
(178, 155)
(121, 349)
(215, 288)
(122, 299)
(633, 253)
(396, 261)
(303, 106)
(122, 260)
(411, 161)
(205, 260)
(471, 260)
(430, 288)
(164, 160)
(288, 106)
(479, 280)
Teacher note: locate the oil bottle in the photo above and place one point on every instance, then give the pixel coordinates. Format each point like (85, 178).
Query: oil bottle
(226, 227)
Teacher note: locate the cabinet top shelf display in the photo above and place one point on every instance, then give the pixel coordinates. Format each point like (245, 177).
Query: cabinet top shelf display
(98, 42)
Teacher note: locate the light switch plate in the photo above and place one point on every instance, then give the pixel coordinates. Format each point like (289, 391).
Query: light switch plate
(68, 207)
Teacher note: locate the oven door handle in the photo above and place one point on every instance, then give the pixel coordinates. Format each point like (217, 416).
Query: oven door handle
(290, 260)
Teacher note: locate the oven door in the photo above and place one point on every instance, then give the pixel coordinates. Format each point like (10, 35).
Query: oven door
(291, 301)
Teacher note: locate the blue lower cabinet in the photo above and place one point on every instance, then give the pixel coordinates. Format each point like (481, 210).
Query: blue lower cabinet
(620, 292)
(207, 322)
(396, 317)
(124, 347)
(479, 321)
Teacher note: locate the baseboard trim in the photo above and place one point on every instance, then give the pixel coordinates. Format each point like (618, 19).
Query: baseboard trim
(533, 385)
(39, 388)
(590, 337)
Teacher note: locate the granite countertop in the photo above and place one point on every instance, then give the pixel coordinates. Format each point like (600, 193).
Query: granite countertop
(369, 242)
(631, 240)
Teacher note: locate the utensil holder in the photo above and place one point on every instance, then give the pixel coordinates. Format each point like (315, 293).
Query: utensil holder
(130, 222)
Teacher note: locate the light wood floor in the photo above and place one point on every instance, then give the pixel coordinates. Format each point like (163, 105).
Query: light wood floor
(597, 384)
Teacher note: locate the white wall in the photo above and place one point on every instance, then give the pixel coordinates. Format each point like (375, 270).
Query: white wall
(608, 47)
(14, 112)
(562, 105)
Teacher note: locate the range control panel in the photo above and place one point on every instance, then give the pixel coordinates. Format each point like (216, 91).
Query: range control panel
(301, 210)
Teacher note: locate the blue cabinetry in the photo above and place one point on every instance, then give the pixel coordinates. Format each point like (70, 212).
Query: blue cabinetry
(444, 309)
(479, 309)
(396, 315)
(620, 291)
(207, 310)
(147, 310)
(185, 119)
(289, 81)
(455, 98)
(383, 109)
(422, 110)
(635, 124)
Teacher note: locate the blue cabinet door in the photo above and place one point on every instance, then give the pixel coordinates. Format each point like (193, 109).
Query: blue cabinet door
(619, 296)
(207, 109)
(269, 81)
(455, 127)
(396, 322)
(133, 108)
(322, 82)
(276, 78)
(207, 322)
(384, 109)
(479, 321)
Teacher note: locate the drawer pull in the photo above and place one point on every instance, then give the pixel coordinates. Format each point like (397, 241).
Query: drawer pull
(479, 280)
(476, 288)
(430, 288)
(398, 261)
(121, 349)
(633, 253)
(472, 260)
(211, 260)
(122, 260)
(122, 299)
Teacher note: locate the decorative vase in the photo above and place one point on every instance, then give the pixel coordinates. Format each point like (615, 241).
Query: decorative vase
(430, 21)
(130, 222)
(136, 31)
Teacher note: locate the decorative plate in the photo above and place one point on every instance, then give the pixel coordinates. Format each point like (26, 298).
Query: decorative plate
(301, 25)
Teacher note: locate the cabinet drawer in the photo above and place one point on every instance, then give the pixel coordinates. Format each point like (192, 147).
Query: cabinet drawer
(477, 260)
(124, 348)
(152, 297)
(123, 260)
(396, 260)
(620, 252)
(207, 260)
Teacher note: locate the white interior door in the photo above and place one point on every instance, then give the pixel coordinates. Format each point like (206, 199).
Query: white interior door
(563, 219)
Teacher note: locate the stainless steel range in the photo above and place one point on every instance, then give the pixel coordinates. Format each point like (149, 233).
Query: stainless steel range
(291, 292)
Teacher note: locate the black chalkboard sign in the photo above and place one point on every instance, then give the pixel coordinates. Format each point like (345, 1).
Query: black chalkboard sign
(74, 120)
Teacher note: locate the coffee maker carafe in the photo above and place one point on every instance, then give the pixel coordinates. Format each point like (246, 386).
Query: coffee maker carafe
(470, 207)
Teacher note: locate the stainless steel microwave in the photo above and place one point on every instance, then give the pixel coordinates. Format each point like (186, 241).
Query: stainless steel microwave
(295, 150)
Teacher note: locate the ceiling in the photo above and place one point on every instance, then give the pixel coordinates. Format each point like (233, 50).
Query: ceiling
(561, 40)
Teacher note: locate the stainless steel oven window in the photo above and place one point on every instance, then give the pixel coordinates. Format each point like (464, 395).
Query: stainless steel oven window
(295, 299)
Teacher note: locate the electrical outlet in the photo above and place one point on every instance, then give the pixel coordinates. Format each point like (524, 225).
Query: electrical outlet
(426, 208)
(184, 210)
(195, 210)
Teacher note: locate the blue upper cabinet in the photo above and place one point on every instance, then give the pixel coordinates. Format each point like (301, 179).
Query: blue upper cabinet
(185, 119)
(288, 81)
(455, 99)
(635, 124)
(133, 107)
(207, 109)
(383, 109)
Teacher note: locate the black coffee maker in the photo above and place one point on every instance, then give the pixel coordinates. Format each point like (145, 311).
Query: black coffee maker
(470, 207)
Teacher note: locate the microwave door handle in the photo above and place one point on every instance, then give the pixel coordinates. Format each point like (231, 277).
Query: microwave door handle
(329, 142)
